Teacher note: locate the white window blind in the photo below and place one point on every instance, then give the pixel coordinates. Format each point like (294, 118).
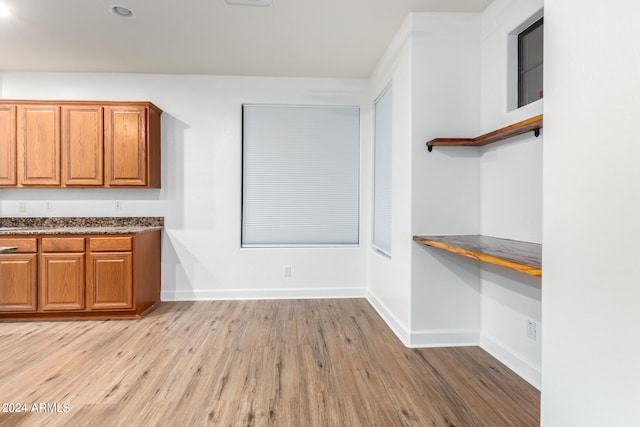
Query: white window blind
(382, 173)
(301, 169)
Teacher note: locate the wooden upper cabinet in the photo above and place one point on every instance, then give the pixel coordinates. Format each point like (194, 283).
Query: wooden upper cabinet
(82, 145)
(8, 145)
(79, 144)
(132, 146)
(38, 145)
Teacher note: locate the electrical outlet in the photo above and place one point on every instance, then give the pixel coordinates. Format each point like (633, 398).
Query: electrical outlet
(286, 270)
(531, 329)
(118, 205)
(22, 207)
(49, 207)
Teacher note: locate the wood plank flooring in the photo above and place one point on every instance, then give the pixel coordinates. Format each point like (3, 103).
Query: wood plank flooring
(251, 363)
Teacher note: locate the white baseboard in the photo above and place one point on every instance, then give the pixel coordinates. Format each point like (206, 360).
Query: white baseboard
(249, 294)
(401, 331)
(424, 338)
(526, 369)
(444, 338)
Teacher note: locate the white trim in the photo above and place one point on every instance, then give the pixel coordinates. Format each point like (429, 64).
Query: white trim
(444, 338)
(401, 331)
(250, 294)
(424, 338)
(381, 251)
(515, 361)
(389, 61)
(381, 202)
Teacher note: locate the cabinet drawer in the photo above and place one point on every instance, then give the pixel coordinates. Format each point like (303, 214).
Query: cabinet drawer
(107, 244)
(29, 244)
(63, 244)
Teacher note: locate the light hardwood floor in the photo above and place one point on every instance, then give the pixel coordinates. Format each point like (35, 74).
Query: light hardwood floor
(245, 363)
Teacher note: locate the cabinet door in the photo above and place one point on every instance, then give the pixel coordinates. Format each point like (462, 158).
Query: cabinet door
(82, 145)
(38, 145)
(110, 281)
(126, 146)
(8, 145)
(18, 282)
(62, 281)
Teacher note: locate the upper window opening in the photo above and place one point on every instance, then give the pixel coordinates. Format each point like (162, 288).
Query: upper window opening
(530, 58)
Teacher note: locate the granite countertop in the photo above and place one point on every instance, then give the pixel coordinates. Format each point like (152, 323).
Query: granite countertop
(76, 225)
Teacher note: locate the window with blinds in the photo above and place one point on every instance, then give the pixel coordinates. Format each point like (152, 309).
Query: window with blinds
(382, 173)
(301, 175)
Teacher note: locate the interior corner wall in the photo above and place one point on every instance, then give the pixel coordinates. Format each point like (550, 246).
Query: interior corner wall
(511, 196)
(591, 209)
(445, 292)
(201, 189)
(389, 278)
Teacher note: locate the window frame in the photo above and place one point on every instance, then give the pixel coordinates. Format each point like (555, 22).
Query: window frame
(379, 223)
(521, 102)
(246, 243)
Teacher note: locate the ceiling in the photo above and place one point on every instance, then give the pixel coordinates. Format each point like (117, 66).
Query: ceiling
(326, 38)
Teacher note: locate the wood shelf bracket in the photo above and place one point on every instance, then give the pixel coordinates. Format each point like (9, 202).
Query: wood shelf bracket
(533, 124)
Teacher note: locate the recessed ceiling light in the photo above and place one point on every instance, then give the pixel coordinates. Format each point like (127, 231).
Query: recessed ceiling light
(4, 10)
(122, 11)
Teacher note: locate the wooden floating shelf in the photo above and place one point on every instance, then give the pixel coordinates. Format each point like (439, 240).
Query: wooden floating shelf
(533, 124)
(524, 257)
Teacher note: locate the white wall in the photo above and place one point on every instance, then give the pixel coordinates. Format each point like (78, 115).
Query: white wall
(451, 77)
(591, 295)
(433, 64)
(445, 187)
(201, 185)
(511, 193)
(389, 279)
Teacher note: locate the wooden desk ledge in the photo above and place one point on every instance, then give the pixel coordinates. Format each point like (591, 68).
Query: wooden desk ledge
(524, 257)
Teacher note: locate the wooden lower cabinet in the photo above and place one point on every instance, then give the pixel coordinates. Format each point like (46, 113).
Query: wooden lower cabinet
(18, 282)
(117, 276)
(62, 282)
(110, 281)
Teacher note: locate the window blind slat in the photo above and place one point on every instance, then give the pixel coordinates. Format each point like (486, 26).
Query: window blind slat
(301, 168)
